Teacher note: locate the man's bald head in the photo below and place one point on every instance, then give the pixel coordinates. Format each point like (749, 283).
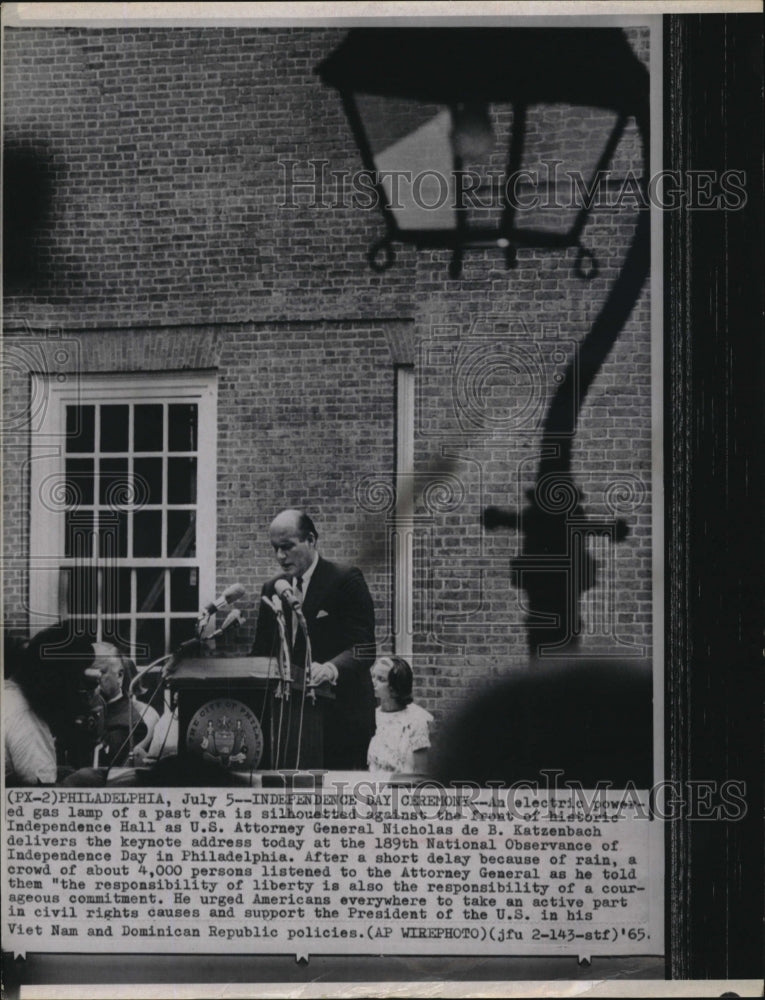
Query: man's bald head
(296, 521)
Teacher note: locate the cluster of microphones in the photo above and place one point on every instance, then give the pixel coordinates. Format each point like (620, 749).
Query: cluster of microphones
(207, 629)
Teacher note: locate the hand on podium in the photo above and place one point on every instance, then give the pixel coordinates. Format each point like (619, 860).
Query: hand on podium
(321, 672)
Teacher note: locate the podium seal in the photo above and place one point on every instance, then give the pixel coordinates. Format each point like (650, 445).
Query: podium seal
(226, 731)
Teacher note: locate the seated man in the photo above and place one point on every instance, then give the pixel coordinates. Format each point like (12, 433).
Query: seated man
(124, 726)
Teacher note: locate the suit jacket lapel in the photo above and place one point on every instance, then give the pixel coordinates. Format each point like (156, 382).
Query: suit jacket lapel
(316, 589)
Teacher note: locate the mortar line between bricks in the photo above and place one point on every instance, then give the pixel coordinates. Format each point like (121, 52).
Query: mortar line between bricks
(258, 324)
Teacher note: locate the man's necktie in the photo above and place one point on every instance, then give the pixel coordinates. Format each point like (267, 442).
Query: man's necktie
(298, 644)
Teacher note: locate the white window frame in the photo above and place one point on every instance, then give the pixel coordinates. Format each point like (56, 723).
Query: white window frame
(403, 586)
(48, 457)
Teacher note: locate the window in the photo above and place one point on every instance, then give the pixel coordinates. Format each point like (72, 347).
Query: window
(123, 507)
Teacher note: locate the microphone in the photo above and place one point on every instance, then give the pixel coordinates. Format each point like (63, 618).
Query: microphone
(274, 603)
(232, 620)
(286, 592)
(230, 594)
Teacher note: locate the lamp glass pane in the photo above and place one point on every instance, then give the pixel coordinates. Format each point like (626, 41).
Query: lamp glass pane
(412, 150)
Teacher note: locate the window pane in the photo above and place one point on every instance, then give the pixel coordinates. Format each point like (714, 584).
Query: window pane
(148, 480)
(182, 427)
(84, 627)
(150, 632)
(182, 629)
(147, 533)
(113, 487)
(181, 480)
(80, 428)
(79, 481)
(147, 431)
(129, 467)
(116, 632)
(184, 589)
(150, 590)
(181, 533)
(116, 590)
(114, 428)
(112, 534)
(82, 591)
(78, 534)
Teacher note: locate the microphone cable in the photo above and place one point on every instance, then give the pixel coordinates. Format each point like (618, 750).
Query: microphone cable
(306, 670)
(173, 716)
(131, 708)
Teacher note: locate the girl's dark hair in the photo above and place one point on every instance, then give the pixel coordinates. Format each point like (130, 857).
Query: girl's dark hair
(400, 679)
(14, 654)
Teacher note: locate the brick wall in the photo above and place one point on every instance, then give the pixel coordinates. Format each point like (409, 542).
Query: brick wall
(163, 241)
(162, 149)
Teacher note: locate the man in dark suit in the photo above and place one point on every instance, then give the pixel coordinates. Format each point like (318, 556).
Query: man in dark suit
(340, 618)
(124, 727)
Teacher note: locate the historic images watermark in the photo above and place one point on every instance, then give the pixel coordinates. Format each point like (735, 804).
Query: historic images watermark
(305, 794)
(312, 184)
(551, 799)
(51, 355)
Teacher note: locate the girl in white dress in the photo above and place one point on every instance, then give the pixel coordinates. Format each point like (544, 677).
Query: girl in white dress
(401, 740)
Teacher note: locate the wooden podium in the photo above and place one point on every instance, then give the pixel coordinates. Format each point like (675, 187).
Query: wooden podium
(236, 713)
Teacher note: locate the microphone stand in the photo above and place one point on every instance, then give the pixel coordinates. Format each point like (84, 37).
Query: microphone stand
(284, 663)
(206, 632)
(298, 611)
(285, 674)
(131, 690)
(284, 659)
